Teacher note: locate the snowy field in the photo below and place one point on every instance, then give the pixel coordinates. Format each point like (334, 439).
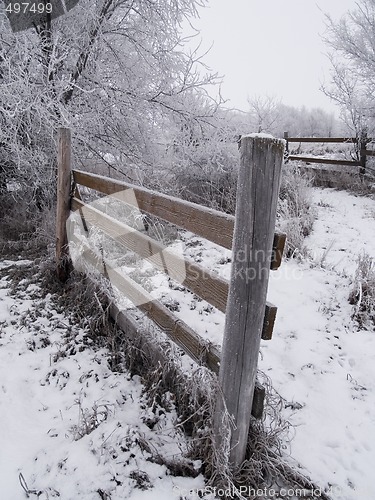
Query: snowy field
(70, 428)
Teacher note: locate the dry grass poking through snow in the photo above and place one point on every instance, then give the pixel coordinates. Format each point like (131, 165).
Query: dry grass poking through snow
(362, 295)
(295, 214)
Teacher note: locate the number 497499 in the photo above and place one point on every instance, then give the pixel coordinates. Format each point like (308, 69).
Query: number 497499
(25, 7)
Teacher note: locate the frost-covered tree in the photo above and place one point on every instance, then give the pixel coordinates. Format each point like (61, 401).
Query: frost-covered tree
(115, 71)
(352, 40)
(203, 156)
(270, 115)
(264, 113)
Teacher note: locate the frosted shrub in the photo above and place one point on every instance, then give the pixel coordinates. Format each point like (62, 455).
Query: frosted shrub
(362, 295)
(211, 188)
(206, 172)
(295, 214)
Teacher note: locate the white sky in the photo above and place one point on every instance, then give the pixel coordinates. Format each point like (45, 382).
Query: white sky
(271, 47)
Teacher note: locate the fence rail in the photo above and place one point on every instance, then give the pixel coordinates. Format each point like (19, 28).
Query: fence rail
(210, 224)
(348, 140)
(362, 143)
(328, 161)
(251, 232)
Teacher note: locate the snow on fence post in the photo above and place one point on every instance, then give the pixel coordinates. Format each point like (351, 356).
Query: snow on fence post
(63, 201)
(257, 195)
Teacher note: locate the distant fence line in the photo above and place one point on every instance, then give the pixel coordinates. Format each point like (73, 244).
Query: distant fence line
(362, 141)
(248, 317)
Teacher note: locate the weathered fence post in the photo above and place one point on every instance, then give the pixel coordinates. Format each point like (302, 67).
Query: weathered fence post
(286, 137)
(257, 195)
(363, 146)
(63, 202)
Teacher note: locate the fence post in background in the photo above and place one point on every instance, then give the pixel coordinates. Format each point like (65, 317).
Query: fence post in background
(286, 152)
(257, 196)
(363, 157)
(286, 137)
(63, 202)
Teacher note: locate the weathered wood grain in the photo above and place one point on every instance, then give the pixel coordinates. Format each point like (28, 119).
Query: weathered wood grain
(200, 350)
(63, 202)
(338, 140)
(278, 247)
(269, 321)
(328, 161)
(257, 197)
(257, 406)
(211, 224)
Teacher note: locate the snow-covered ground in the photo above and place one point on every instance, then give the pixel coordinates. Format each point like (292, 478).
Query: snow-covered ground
(69, 427)
(318, 360)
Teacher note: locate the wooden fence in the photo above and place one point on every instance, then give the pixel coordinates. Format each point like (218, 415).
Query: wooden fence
(361, 142)
(251, 233)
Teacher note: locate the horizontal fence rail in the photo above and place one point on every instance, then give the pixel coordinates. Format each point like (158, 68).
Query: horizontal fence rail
(210, 224)
(328, 161)
(348, 140)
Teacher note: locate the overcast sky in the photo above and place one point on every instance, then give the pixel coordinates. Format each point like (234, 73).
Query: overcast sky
(271, 47)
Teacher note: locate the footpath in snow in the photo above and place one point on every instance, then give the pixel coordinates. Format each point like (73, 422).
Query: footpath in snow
(320, 362)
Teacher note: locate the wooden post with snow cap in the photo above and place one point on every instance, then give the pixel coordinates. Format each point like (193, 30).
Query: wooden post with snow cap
(257, 196)
(63, 202)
